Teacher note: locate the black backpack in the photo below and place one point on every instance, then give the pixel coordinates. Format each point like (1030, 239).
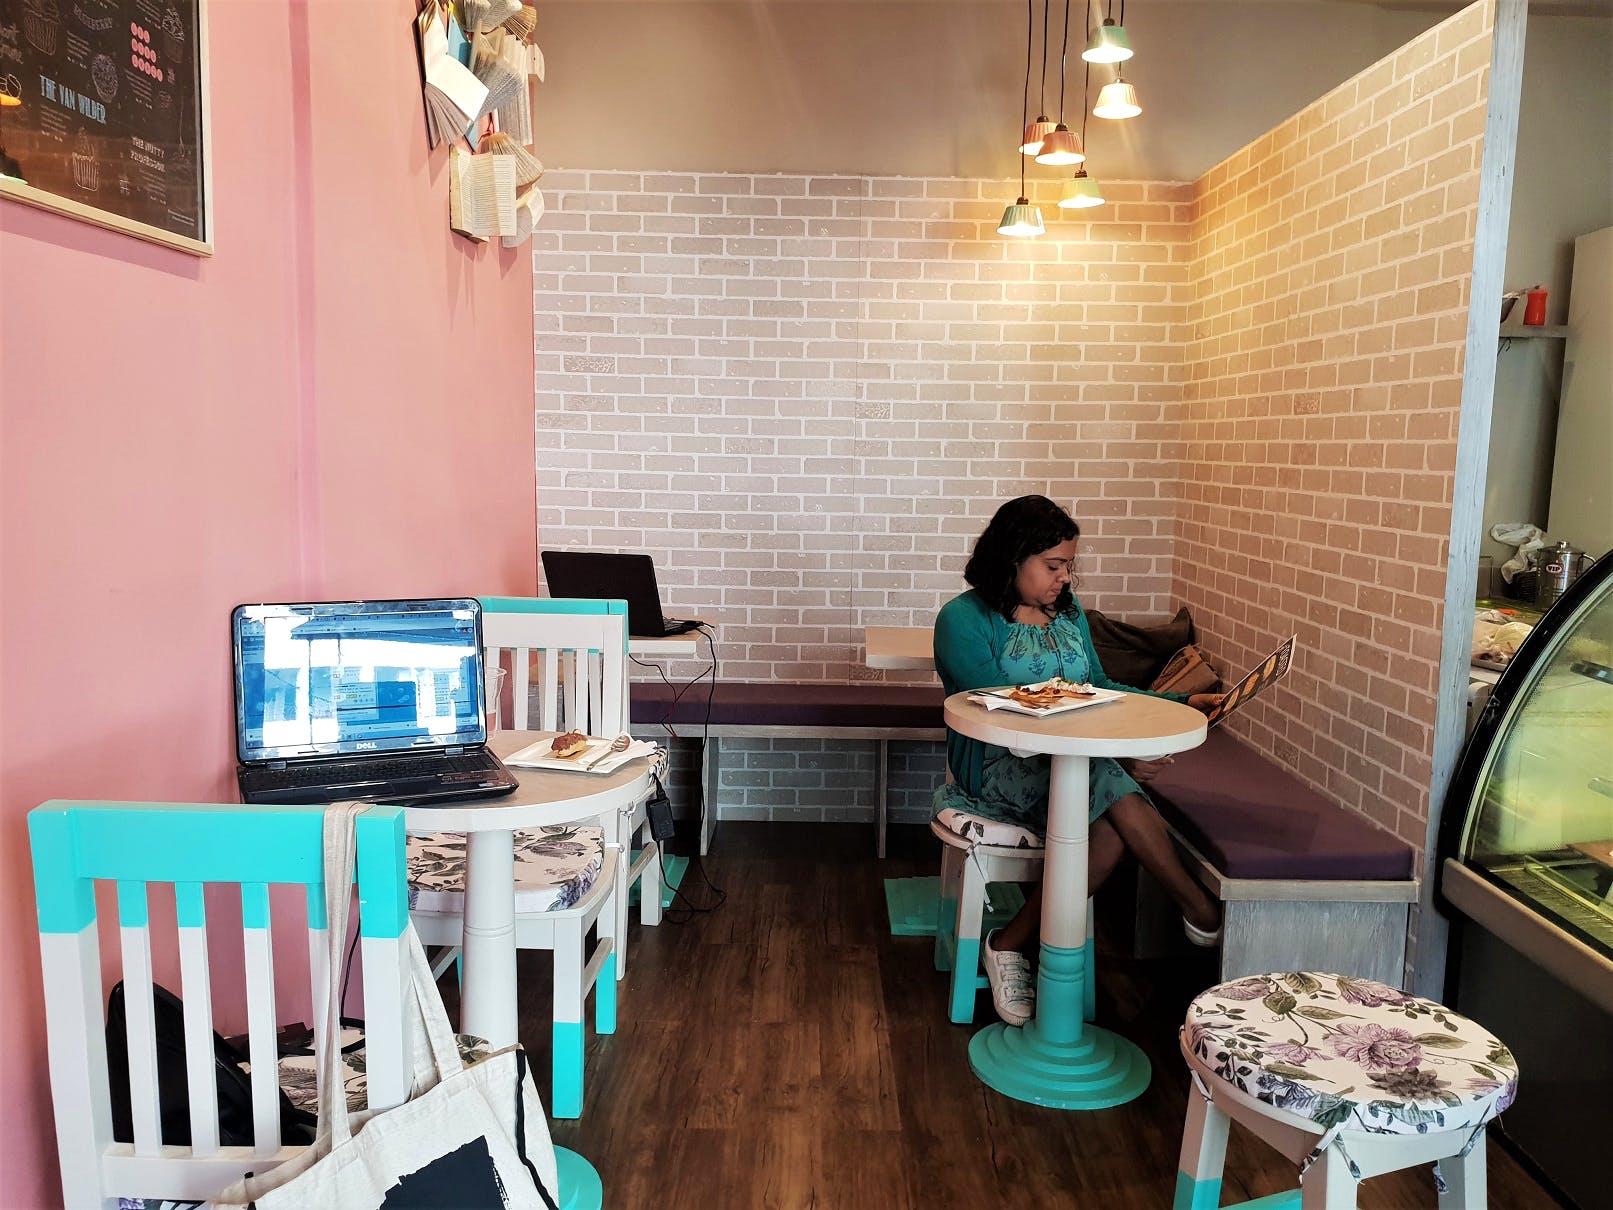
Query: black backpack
(173, 1099)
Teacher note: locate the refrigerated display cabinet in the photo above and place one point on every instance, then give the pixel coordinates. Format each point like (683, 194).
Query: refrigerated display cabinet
(1526, 876)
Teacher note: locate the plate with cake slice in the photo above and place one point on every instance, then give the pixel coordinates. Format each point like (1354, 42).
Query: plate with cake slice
(575, 752)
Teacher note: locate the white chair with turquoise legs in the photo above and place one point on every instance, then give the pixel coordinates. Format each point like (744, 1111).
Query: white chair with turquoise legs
(184, 847)
(568, 880)
(1348, 1078)
(564, 876)
(969, 864)
(570, 645)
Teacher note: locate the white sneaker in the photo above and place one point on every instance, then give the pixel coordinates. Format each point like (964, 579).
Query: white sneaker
(1013, 991)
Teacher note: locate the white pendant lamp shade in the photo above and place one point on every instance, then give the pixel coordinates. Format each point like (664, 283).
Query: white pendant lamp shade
(1061, 146)
(1022, 220)
(1108, 44)
(1080, 192)
(1117, 100)
(1031, 141)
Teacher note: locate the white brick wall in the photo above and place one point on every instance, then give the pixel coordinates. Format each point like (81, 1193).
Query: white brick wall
(806, 395)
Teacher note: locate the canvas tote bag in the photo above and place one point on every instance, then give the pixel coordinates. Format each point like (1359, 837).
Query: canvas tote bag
(469, 1137)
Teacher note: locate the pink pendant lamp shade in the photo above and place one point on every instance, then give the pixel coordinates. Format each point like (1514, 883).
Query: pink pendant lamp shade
(1031, 141)
(1061, 147)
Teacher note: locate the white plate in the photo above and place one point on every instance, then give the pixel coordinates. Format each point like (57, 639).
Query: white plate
(536, 756)
(998, 699)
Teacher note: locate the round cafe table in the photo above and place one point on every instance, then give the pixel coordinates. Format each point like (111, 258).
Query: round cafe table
(488, 994)
(1056, 1058)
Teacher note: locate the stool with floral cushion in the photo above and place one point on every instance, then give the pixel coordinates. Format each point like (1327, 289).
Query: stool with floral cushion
(1348, 1077)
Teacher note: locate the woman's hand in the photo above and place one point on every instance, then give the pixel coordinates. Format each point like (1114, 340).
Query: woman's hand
(1144, 771)
(1206, 702)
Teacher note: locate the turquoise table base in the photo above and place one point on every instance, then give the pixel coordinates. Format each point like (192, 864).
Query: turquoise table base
(580, 1187)
(1057, 1059)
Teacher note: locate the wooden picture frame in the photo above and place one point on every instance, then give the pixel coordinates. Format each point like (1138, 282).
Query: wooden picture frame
(72, 133)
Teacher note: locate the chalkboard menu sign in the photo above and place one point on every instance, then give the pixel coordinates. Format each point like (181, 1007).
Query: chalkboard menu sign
(103, 114)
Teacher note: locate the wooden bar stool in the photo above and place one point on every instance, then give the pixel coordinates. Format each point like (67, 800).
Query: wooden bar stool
(1349, 1078)
(978, 851)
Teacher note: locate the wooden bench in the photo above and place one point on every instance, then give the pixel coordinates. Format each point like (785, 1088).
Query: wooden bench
(1305, 883)
(767, 710)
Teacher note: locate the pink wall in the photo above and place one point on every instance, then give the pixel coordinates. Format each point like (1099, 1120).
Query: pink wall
(338, 403)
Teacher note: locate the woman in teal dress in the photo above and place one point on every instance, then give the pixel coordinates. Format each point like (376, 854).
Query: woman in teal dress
(1018, 624)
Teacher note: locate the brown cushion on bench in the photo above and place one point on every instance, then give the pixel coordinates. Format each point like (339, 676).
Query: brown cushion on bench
(1253, 819)
(1134, 655)
(773, 704)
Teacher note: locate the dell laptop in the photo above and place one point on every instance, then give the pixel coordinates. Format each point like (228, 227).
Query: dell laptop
(373, 700)
(596, 575)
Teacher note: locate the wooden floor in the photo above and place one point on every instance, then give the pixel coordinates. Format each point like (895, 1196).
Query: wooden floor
(787, 1051)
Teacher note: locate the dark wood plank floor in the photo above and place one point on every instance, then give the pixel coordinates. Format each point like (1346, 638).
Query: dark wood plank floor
(787, 1051)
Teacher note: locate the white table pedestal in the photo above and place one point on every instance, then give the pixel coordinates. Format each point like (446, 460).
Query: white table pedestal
(1057, 1059)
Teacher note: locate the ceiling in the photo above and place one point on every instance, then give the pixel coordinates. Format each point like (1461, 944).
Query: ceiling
(934, 87)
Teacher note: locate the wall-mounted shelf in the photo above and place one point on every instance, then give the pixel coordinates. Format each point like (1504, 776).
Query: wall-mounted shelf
(1534, 332)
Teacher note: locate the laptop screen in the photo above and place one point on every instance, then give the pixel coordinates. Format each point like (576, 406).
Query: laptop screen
(367, 676)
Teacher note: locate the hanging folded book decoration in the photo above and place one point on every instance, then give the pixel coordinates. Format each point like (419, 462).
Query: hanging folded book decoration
(477, 58)
(481, 194)
(483, 15)
(453, 95)
(499, 62)
(528, 167)
(524, 24)
(528, 210)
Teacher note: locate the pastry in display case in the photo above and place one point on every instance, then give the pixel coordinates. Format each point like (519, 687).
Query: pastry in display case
(1526, 877)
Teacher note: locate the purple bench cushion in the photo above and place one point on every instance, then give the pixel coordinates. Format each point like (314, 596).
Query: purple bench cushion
(767, 704)
(1253, 819)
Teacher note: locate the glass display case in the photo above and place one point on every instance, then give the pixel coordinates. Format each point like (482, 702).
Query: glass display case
(1538, 820)
(1526, 879)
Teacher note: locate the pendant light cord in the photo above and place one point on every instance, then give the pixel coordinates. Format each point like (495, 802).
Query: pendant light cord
(1086, 88)
(1025, 107)
(1064, 54)
(1041, 84)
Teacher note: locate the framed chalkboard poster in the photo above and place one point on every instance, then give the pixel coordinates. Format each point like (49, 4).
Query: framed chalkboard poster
(103, 114)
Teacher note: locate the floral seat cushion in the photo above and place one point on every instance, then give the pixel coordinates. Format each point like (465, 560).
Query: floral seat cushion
(555, 867)
(1350, 1054)
(299, 1073)
(978, 829)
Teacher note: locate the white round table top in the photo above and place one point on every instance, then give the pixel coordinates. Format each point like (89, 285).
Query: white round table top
(1135, 725)
(542, 797)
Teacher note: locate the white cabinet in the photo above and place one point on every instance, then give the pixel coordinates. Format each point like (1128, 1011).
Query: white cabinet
(1582, 472)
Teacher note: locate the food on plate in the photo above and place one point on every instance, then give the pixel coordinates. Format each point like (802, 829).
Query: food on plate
(569, 744)
(1050, 693)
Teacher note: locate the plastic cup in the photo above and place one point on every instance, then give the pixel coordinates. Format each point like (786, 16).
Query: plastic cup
(493, 690)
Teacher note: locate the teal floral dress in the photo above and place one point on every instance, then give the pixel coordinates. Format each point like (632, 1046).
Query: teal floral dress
(976, 648)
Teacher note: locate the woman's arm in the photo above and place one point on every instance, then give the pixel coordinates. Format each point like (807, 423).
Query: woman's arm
(964, 654)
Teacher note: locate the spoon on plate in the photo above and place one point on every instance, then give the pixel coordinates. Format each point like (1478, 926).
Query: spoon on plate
(619, 744)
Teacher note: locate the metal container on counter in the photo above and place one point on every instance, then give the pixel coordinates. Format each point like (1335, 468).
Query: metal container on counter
(1559, 566)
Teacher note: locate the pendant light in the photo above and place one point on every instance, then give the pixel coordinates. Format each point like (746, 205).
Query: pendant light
(1022, 219)
(1061, 146)
(1109, 43)
(1116, 100)
(1030, 142)
(1082, 191)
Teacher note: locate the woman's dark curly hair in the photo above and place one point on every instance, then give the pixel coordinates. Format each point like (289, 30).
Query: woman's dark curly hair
(1021, 528)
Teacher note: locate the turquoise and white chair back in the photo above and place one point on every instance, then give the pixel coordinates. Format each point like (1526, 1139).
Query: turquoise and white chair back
(575, 651)
(137, 846)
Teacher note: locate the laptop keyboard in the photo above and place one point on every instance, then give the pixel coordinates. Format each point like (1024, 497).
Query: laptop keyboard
(386, 770)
